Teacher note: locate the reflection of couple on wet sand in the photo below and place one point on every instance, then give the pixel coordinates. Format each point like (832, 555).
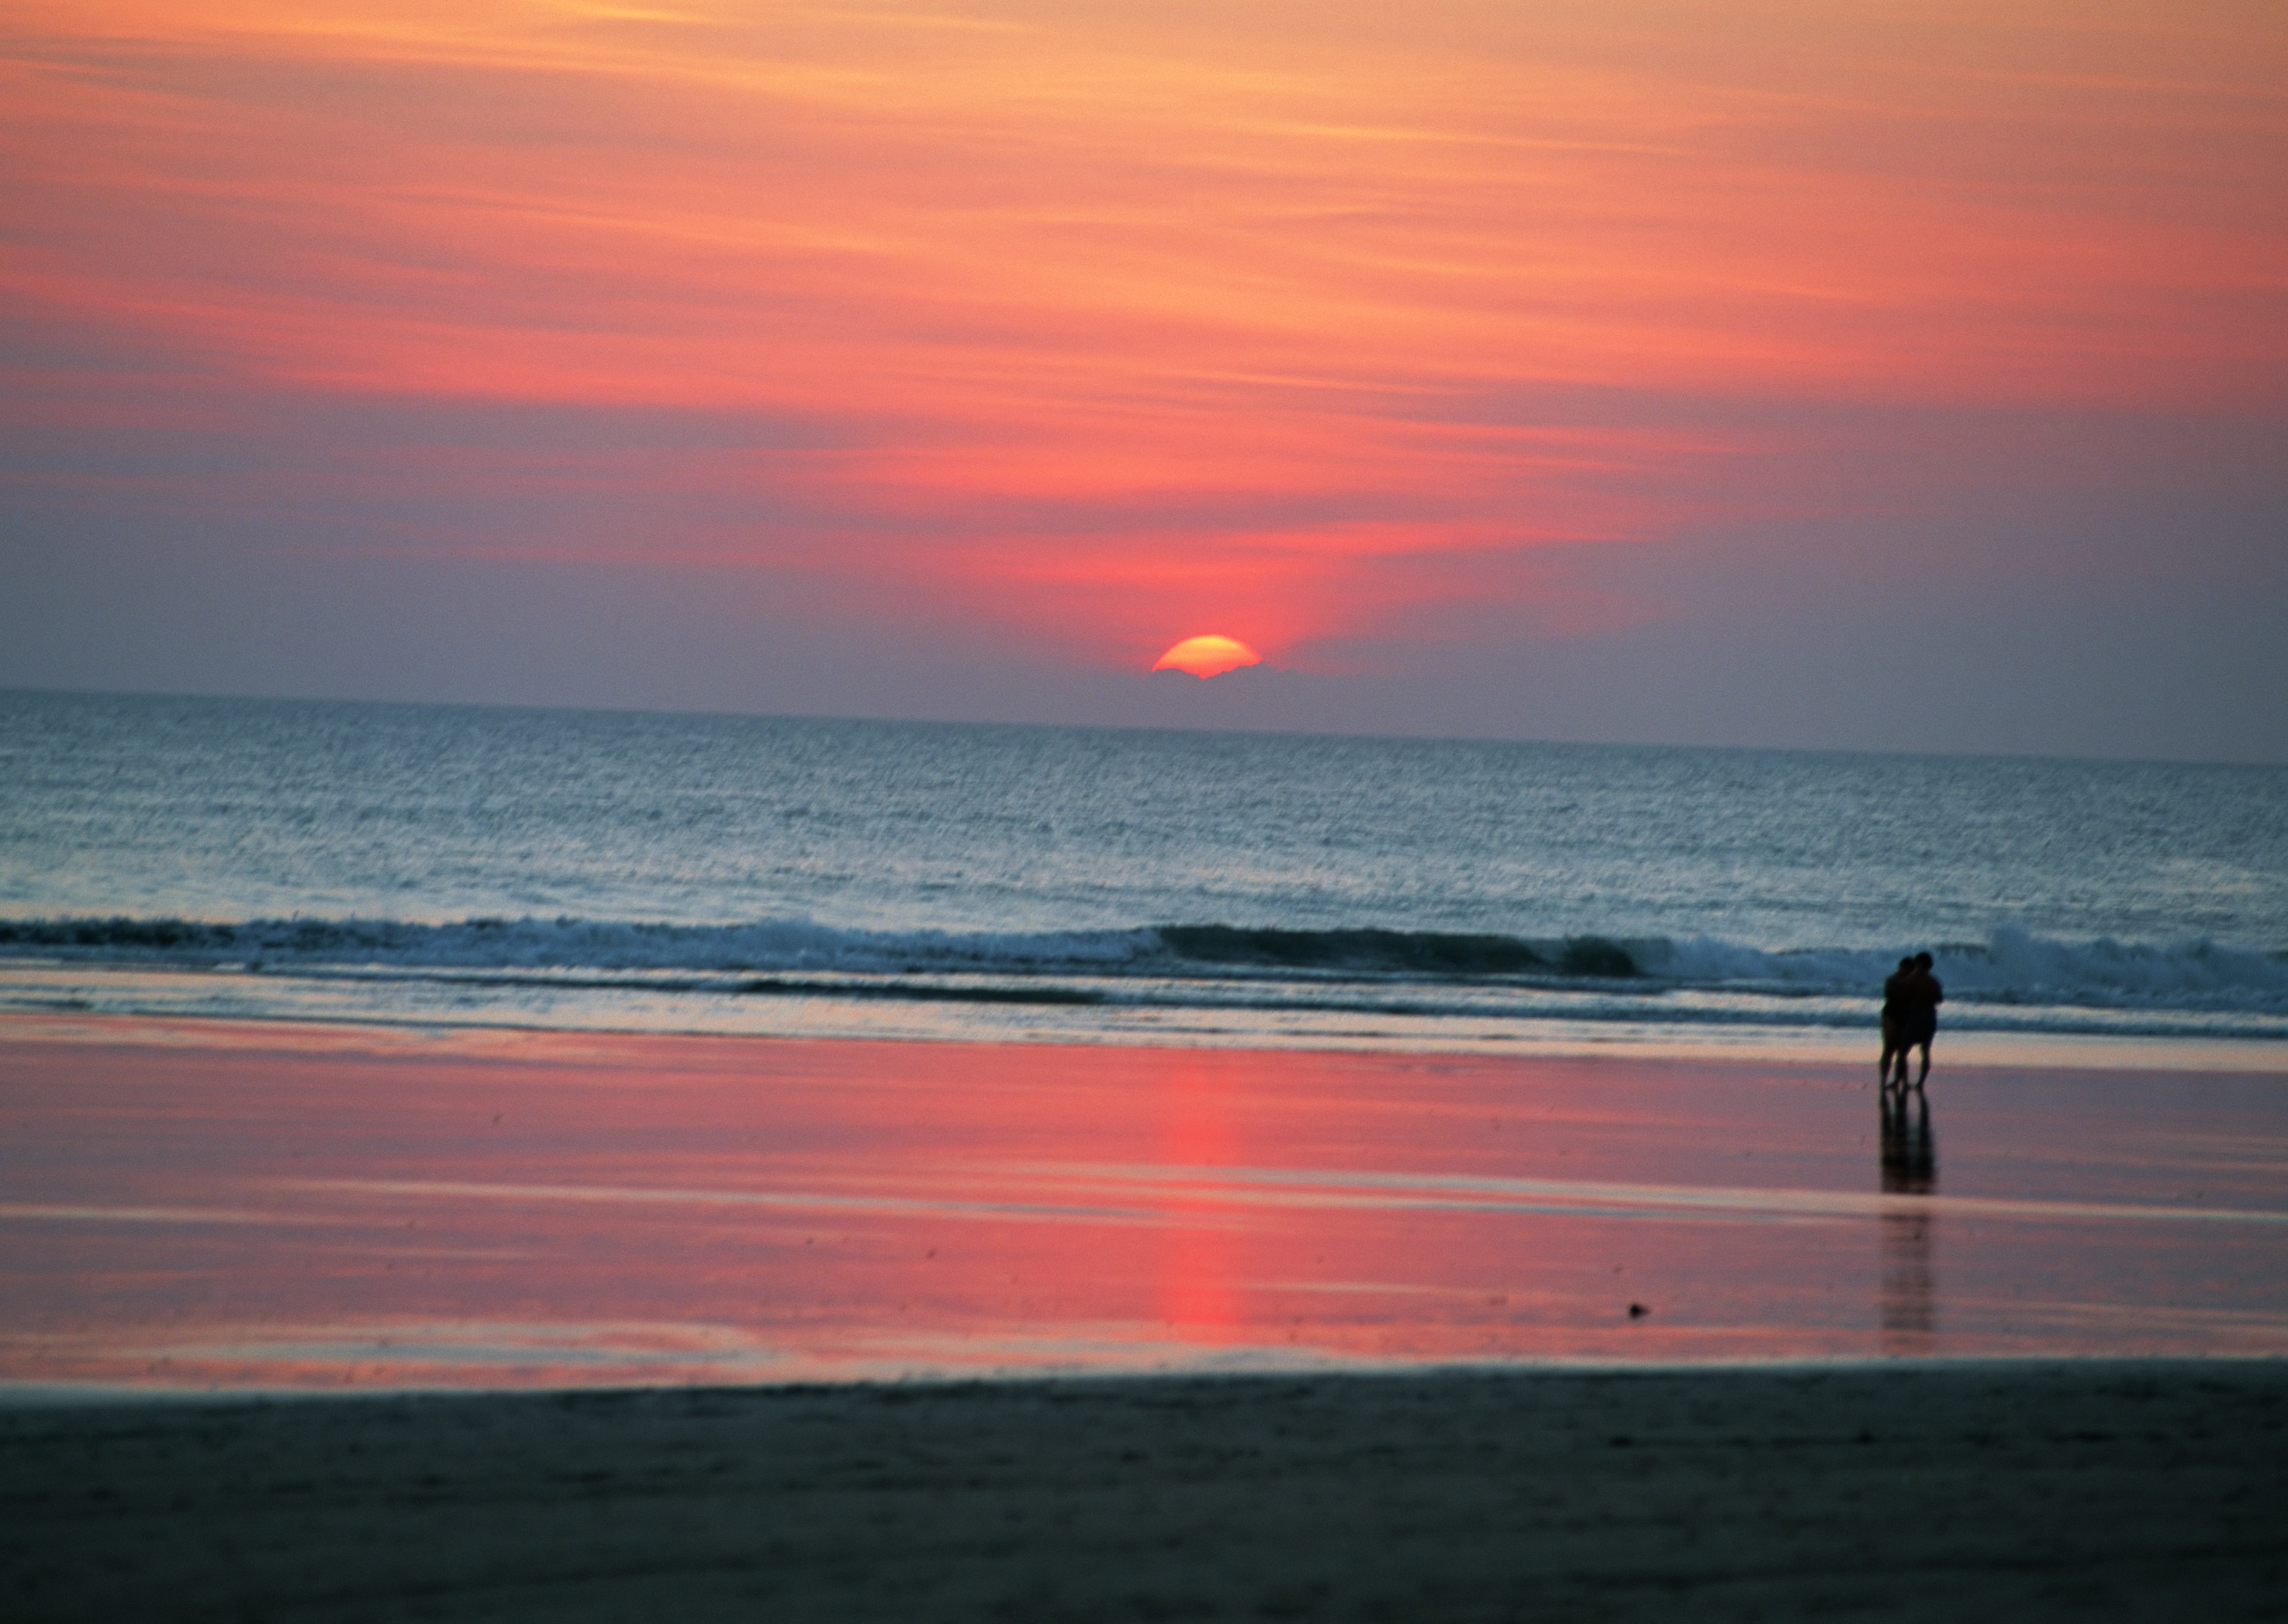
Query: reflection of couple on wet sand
(1910, 1153)
(1910, 1002)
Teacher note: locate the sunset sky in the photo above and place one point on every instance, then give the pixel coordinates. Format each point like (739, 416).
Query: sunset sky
(1767, 372)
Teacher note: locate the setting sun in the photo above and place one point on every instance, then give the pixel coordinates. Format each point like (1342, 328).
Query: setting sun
(1210, 655)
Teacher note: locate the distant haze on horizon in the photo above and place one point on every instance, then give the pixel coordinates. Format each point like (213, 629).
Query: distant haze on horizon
(1726, 372)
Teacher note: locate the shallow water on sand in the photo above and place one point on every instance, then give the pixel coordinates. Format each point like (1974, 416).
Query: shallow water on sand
(252, 1207)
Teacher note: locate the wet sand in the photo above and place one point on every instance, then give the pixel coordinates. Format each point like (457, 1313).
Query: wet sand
(2025, 1490)
(201, 1206)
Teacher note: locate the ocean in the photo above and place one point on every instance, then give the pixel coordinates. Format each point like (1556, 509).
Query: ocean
(425, 866)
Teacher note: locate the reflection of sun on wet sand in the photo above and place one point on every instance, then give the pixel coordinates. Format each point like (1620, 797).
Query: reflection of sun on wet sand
(343, 1206)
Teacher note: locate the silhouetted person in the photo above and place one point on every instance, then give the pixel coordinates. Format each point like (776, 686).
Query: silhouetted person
(1923, 994)
(1895, 1005)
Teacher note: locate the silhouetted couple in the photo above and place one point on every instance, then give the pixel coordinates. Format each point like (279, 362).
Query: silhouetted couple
(1910, 1002)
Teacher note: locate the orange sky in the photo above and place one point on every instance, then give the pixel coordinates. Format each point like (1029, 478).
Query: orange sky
(1099, 326)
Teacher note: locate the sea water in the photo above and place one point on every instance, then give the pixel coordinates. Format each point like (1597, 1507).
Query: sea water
(427, 865)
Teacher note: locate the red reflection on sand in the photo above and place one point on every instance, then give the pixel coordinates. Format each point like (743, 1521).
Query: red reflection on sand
(213, 1206)
(1198, 1295)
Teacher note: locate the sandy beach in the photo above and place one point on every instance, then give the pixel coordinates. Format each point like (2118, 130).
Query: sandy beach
(1270, 1334)
(2026, 1491)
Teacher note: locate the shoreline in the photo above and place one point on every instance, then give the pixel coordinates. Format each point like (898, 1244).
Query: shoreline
(2056, 1489)
(1715, 1045)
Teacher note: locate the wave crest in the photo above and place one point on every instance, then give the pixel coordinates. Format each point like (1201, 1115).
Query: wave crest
(2013, 966)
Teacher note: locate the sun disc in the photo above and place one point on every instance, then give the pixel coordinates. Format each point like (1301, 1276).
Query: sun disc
(1210, 655)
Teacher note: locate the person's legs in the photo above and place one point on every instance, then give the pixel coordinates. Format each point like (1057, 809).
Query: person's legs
(1926, 1071)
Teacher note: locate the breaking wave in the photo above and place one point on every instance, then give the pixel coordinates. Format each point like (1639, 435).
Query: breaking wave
(2010, 968)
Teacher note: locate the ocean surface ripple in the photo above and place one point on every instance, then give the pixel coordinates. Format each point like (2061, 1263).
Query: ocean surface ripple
(281, 859)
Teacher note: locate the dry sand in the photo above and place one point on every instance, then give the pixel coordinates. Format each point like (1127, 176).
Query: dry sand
(2117, 1489)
